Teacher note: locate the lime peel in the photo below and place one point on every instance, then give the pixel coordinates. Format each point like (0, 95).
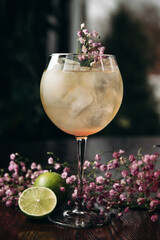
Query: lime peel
(53, 181)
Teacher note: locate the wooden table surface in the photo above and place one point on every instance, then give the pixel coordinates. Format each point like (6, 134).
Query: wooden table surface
(134, 225)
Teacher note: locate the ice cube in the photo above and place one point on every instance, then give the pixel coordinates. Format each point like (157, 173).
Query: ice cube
(70, 65)
(105, 64)
(56, 84)
(107, 84)
(99, 115)
(78, 99)
(102, 84)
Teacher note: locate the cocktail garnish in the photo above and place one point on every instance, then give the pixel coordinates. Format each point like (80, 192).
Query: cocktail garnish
(88, 46)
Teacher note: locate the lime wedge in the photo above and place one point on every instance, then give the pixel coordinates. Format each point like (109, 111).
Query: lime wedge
(37, 201)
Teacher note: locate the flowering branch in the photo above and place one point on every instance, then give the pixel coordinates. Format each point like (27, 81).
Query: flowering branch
(88, 46)
(125, 182)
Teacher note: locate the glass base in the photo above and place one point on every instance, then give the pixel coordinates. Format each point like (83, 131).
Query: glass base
(80, 219)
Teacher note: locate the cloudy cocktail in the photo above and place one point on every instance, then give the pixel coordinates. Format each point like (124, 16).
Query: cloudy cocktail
(81, 94)
(81, 100)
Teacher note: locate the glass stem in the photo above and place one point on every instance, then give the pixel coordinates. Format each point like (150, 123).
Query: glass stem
(81, 145)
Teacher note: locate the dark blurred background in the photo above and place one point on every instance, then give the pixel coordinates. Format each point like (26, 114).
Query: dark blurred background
(31, 30)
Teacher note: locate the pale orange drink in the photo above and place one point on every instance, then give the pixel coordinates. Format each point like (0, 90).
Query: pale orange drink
(81, 100)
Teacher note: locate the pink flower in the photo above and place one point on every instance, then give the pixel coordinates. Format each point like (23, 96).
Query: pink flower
(112, 193)
(6, 175)
(12, 156)
(124, 173)
(115, 163)
(50, 160)
(132, 158)
(153, 157)
(141, 188)
(134, 168)
(138, 182)
(23, 169)
(39, 167)
(121, 151)
(122, 197)
(71, 179)
(16, 167)
(33, 176)
(64, 175)
(74, 194)
(86, 164)
(89, 34)
(90, 42)
(97, 157)
(15, 175)
(57, 166)
(81, 57)
(69, 202)
(101, 50)
(92, 186)
(79, 33)
(11, 166)
(123, 182)
(141, 175)
(85, 31)
(9, 203)
(97, 164)
(116, 155)
(126, 209)
(140, 162)
(129, 180)
(154, 218)
(84, 49)
(33, 166)
(95, 45)
(116, 186)
(110, 166)
(140, 201)
(62, 189)
(94, 33)
(103, 168)
(108, 174)
(101, 212)
(100, 179)
(154, 203)
(146, 158)
(156, 174)
(9, 192)
(82, 40)
(67, 170)
(1, 180)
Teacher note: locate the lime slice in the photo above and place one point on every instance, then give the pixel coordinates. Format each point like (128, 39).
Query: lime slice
(37, 201)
